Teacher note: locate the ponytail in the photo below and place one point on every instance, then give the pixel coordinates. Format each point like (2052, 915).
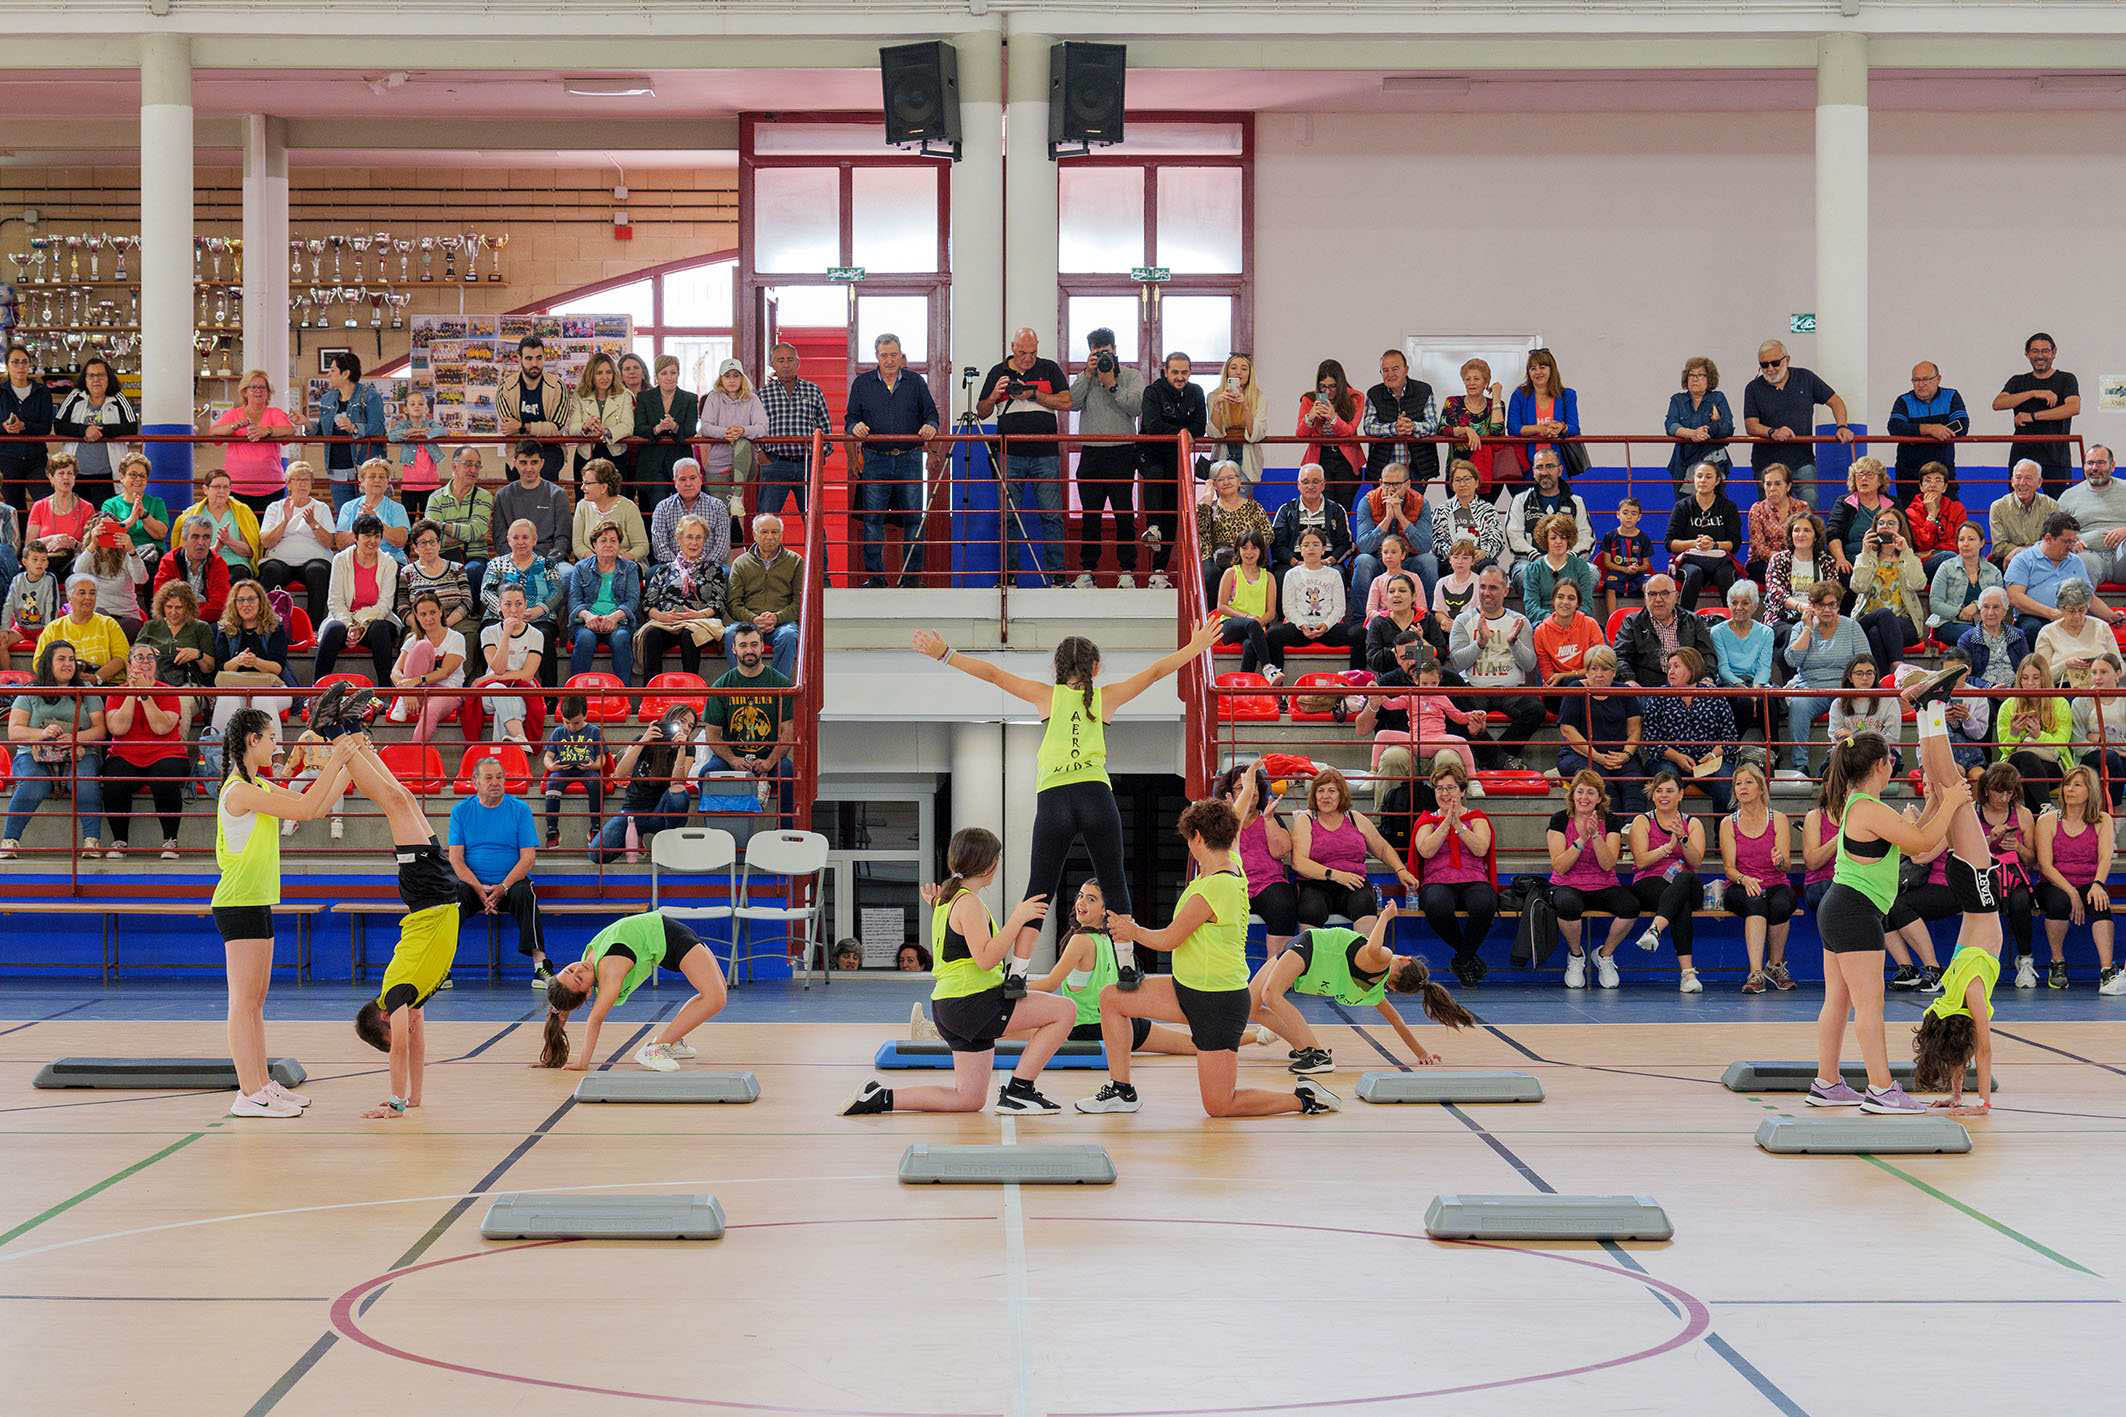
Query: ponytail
(1850, 761)
(1415, 977)
(1077, 660)
(561, 1001)
(243, 726)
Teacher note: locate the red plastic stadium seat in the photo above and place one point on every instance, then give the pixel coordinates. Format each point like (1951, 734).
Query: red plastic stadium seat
(1251, 708)
(1330, 684)
(603, 694)
(1518, 782)
(1712, 612)
(352, 681)
(516, 768)
(302, 635)
(418, 765)
(1617, 618)
(15, 676)
(656, 705)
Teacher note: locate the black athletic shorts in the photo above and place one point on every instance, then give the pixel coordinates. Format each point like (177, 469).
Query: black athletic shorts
(425, 880)
(679, 942)
(974, 1022)
(1977, 892)
(244, 922)
(1139, 1030)
(1847, 922)
(1217, 1018)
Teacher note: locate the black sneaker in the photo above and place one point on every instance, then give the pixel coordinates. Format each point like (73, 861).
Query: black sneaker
(1313, 1060)
(2057, 978)
(1315, 1099)
(1930, 980)
(553, 840)
(1128, 977)
(325, 712)
(1938, 686)
(870, 1100)
(1906, 977)
(1020, 1097)
(1466, 971)
(359, 708)
(1014, 985)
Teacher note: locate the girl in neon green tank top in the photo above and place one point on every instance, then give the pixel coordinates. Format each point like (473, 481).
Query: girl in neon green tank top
(1074, 802)
(1246, 607)
(968, 1003)
(1208, 989)
(618, 960)
(1324, 962)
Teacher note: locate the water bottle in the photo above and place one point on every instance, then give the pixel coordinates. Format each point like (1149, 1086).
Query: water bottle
(1715, 895)
(1675, 869)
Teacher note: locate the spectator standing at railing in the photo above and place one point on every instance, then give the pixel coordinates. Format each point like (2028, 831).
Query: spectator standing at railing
(1401, 407)
(1648, 636)
(1927, 410)
(1227, 514)
(1818, 652)
(1543, 407)
(1394, 507)
(689, 500)
(193, 561)
(2043, 401)
(1953, 590)
(1888, 584)
(297, 540)
(603, 411)
(1704, 532)
(1493, 647)
(797, 409)
(235, 525)
(58, 738)
(1550, 496)
(604, 606)
(148, 753)
(767, 589)
(666, 416)
(1780, 405)
(891, 401)
(1867, 497)
(1475, 414)
(348, 408)
(2098, 502)
(25, 409)
(2036, 574)
(1109, 398)
(2017, 519)
(1172, 406)
(1027, 392)
(599, 501)
(96, 413)
(415, 454)
(1700, 417)
(254, 463)
(731, 418)
(1935, 516)
(1239, 418)
(145, 517)
(361, 601)
(534, 402)
(465, 511)
(1330, 413)
(1312, 510)
(532, 497)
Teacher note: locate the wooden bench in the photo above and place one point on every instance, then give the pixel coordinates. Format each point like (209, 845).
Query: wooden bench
(111, 912)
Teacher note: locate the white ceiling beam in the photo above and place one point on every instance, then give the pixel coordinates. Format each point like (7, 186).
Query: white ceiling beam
(529, 135)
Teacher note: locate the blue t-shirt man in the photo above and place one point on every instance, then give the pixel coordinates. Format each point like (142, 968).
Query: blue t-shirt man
(492, 836)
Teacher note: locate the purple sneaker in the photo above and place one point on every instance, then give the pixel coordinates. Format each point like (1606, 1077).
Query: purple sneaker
(1837, 1094)
(1893, 1101)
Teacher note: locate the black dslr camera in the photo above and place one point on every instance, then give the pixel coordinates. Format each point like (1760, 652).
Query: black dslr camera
(1103, 361)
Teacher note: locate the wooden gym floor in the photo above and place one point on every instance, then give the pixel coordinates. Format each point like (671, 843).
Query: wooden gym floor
(155, 1256)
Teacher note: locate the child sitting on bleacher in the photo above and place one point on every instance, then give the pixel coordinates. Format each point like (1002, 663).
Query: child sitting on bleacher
(32, 599)
(1624, 557)
(1430, 712)
(1455, 592)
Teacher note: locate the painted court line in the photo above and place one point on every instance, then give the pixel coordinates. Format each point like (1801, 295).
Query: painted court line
(1015, 1288)
(101, 1186)
(61, 1013)
(1980, 1216)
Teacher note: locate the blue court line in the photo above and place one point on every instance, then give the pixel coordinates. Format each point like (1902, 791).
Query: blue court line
(1768, 1389)
(1534, 1057)
(62, 1013)
(302, 1366)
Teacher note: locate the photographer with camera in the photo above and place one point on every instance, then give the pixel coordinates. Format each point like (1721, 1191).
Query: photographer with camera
(1108, 395)
(1171, 405)
(1889, 588)
(1026, 392)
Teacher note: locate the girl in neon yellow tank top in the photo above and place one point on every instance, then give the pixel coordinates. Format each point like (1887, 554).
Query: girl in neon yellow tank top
(1073, 802)
(1247, 602)
(1208, 990)
(968, 1003)
(1328, 966)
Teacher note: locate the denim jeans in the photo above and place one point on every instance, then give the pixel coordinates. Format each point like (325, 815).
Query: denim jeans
(342, 494)
(671, 811)
(622, 643)
(890, 488)
(780, 480)
(1801, 716)
(35, 781)
(782, 649)
(1037, 533)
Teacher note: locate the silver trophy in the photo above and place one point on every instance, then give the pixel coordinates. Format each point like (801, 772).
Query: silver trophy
(221, 308)
(316, 245)
(451, 246)
(338, 243)
(73, 244)
(120, 245)
(299, 302)
(37, 244)
(399, 300)
(95, 244)
(473, 242)
(205, 314)
(133, 314)
(376, 309)
(295, 259)
(428, 258)
(381, 240)
(352, 299)
(22, 264)
(361, 256)
(205, 345)
(199, 259)
(405, 250)
(217, 247)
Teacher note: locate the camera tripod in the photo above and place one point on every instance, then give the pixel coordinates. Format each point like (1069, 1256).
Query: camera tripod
(969, 422)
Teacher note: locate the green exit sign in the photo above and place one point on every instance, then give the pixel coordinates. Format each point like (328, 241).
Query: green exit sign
(852, 274)
(1153, 275)
(1801, 324)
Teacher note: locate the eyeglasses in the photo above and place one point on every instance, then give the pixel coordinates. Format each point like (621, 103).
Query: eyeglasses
(1770, 363)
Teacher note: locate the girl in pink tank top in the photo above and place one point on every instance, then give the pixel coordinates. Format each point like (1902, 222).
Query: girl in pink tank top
(1753, 850)
(2074, 846)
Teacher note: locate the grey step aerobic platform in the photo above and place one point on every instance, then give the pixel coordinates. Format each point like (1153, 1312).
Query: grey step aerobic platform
(901, 1053)
(175, 1073)
(1432, 1085)
(923, 1164)
(681, 1086)
(1525, 1217)
(1796, 1075)
(516, 1216)
(1870, 1132)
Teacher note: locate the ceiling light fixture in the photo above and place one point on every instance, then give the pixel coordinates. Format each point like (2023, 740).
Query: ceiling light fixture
(1437, 85)
(2081, 83)
(637, 86)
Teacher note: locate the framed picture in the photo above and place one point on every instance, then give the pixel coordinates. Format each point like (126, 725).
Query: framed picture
(326, 355)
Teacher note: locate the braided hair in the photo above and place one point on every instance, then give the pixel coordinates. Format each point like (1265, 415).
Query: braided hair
(1077, 660)
(244, 725)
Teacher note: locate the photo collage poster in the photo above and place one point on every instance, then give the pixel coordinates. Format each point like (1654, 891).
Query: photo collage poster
(462, 360)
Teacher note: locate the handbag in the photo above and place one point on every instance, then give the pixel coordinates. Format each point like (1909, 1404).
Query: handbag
(1535, 935)
(1572, 457)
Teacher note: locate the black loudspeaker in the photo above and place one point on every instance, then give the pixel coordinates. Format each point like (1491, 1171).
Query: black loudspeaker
(921, 83)
(1085, 96)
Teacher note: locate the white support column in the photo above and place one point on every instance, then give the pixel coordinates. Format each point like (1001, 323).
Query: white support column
(166, 310)
(978, 793)
(1030, 193)
(978, 333)
(265, 263)
(1022, 744)
(1842, 222)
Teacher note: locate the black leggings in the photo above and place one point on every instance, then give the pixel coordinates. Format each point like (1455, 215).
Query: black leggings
(315, 577)
(1064, 816)
(1571, 902)
(1159, 500)
(1441, 900)
(2041, 773)
(1774, 907)
(1278, 905)
(1245, 630)
(2054, 901)
(1107, 477)
(1698, 572)
(1929, 900)
(1318, 900)
(2017, 900)
(165, 780)
(381, 639)
(655, 641)
(1888, 633)
(1674, 900)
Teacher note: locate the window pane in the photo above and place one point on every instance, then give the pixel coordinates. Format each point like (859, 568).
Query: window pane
(1199, 220)
(905, 315)
(856, 139)
(699, 356)
(893, 218)
(812, 306)
(1176, 140)
(1100, 219)
(701, 296)
(1089, 312)
(797, 218)
(646, 346)
(1199, 326)
(632, 300)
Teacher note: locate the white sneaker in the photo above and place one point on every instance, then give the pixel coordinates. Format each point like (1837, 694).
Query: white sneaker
(920, 1028)
(288, 828)
(263, 1103)
(1605, 971)
(1651, 940)
(90, 846)
(1274, 675)
(293, 1099)
(1576, 971)
(2114, 982)
(1083, 582)
(657, 1058)
(1159, 581)
(339, 829)
(682, 1050)
(1690, 984)
(8, 848)
(1125, 581)
(116, 853)
(169, 850)
(2025, 968)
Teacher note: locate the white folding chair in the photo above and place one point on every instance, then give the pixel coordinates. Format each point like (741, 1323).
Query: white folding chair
(802, 858)
(698, 851)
